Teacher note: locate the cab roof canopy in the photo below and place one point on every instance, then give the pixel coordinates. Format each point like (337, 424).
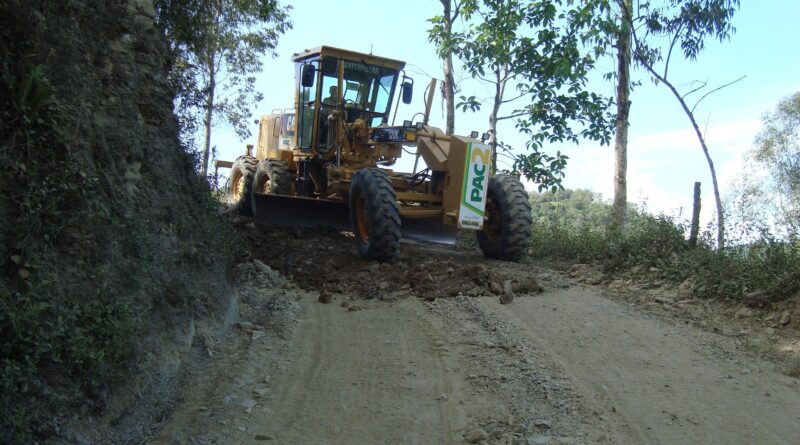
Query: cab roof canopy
(329, 51)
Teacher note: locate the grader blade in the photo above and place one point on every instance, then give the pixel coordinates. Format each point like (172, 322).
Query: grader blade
(293, 211)
(290, 211)
(431, 230)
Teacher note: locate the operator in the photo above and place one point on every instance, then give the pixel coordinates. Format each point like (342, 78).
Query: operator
(334, 96)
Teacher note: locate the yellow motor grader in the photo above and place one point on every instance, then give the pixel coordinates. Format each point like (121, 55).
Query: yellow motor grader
(327, 162)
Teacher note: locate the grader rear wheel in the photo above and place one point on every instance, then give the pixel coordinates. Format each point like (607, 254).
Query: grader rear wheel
(507, 233)
(374, 215)
(241, 184)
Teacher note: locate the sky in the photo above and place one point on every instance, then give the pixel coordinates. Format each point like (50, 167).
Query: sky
(664, 156)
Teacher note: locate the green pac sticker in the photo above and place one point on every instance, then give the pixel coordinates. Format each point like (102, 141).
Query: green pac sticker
(476, 180)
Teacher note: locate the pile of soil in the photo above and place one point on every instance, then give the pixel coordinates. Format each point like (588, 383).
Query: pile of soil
(327, 261)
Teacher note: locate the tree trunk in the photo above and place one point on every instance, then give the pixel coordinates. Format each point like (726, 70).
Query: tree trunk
(500, 87)
(720, 211)
(699, 134)
(212, 86)
(695, 216)
(720, 214)
(449, 88)
(208, 120)
(620, 205)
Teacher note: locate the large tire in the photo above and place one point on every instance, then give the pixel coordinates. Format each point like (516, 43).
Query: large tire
(507, 233)
(241, 184)
(273, 177)
(374, 215)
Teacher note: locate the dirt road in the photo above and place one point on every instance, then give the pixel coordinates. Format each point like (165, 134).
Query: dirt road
(561, 363)
(664, 382)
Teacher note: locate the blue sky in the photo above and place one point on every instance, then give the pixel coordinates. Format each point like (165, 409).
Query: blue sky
(664, 157)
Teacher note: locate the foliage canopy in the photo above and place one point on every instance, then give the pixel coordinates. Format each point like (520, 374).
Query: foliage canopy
(217, 48)
(538, 49)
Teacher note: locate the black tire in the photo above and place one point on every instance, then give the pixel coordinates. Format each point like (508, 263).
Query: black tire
(374, 215)
(507, 233)
(273, 177)
(241, 184)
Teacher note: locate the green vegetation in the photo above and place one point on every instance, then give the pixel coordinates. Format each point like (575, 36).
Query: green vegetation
(536, 57)
(767, 195)
(217, 49)
(48, 339)
(572, 225)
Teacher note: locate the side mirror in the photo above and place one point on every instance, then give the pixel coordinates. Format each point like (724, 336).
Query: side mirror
(307, 75)
(407, 91)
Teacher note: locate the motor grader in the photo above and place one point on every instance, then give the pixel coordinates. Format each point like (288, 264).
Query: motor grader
(327, 162)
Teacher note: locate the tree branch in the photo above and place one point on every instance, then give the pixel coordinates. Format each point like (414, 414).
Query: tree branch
(485, 79)
(507, 74)
(715, 90)
(515, 98)
(511, 116)
(671, 46)
(703, 85)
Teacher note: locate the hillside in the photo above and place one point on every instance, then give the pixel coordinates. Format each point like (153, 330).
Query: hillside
(109, 242)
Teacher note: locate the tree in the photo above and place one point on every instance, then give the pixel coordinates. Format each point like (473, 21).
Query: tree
(441, 34)
(575, 210)
(623, 40)
(683, 24)
(778, 151)
(217, 47)
(768, 193)
(536, 50)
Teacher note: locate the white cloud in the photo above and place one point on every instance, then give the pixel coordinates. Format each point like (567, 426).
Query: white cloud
(663, 166)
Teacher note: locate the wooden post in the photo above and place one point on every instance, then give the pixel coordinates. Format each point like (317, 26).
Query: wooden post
(695, 216)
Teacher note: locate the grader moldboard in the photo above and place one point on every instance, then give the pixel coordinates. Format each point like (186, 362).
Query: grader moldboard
(326, 163)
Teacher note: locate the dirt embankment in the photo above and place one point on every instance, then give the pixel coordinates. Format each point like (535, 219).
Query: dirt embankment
(110, 245)
(562, 363)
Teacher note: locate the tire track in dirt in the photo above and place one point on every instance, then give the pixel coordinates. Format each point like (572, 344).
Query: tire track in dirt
(660, 379)
(368, 376)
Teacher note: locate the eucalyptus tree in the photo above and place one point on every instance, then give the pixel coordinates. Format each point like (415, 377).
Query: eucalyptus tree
(659, 30)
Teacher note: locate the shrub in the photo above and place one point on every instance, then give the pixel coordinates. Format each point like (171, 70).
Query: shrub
(760, 271)
(46, 343)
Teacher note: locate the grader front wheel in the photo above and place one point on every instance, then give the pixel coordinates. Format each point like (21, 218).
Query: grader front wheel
(272, 177)
(374, 215)
(507, 233)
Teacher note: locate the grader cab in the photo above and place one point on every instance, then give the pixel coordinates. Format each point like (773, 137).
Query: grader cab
(328, 162)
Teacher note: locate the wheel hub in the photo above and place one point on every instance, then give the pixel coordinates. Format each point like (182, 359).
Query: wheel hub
(362, 223)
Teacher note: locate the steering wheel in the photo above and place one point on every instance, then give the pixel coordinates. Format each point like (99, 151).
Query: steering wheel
(352, 110)
(352, 104)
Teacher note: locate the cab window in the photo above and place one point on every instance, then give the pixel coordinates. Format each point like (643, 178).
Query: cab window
(330, 97)
(306, 96)
(370, 88)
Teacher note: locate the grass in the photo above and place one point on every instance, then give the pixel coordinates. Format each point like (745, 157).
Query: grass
(758, 272)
